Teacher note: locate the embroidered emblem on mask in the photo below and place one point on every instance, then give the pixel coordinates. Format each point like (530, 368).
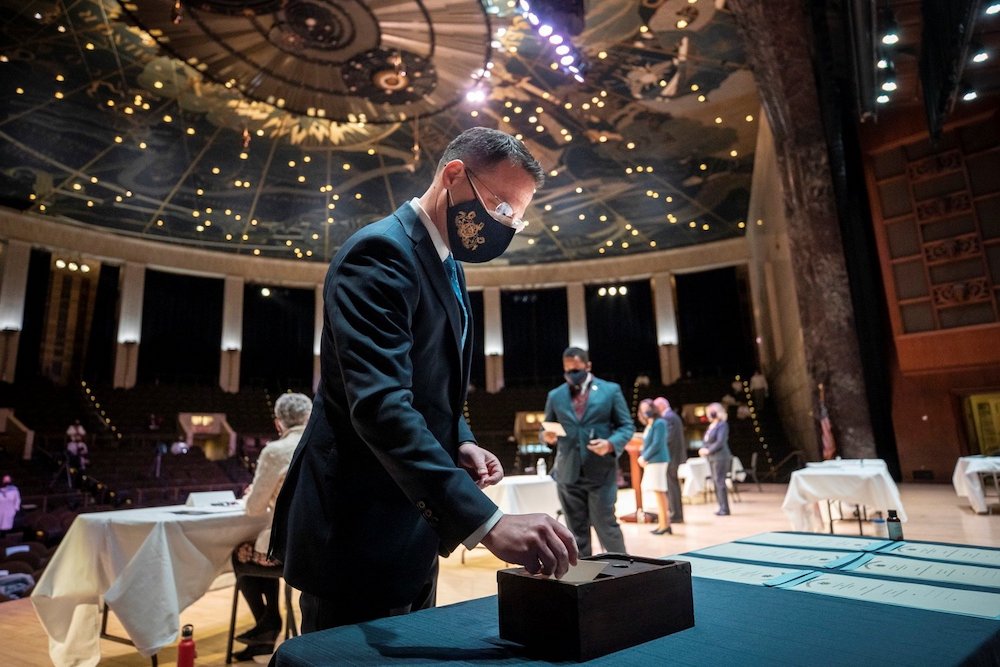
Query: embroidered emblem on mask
(468, 230)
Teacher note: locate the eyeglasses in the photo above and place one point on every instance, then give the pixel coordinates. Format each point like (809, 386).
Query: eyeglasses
(504, 212)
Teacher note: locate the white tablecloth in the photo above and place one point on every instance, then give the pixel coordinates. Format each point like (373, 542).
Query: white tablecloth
(966, 481)
(869, 485)
(695, 470)
(525, 494)
(147, 564)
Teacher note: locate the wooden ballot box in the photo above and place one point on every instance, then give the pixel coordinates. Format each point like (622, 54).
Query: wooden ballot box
(633, 600)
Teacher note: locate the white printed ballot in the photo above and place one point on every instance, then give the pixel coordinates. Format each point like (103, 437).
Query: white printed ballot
(554, 427)
(584, 570)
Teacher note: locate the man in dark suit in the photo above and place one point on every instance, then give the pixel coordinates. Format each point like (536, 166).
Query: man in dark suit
(598, 425)
(388, 475)
(677, 445)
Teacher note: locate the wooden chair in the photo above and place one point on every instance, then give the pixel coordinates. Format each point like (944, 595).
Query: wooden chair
(751, 472)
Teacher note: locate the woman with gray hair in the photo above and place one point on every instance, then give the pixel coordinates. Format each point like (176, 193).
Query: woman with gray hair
(291, 412)
(720, 458)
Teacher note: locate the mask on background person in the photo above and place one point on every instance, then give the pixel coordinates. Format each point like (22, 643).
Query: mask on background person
(473, 234)
(649, 414)
(576, 378)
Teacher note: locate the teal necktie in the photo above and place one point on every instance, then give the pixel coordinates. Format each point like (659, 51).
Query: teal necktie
(452, 269)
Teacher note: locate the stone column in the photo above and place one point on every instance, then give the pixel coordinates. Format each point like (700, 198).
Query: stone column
(317, 335)
(576, 306)
(666, 327)
(132, 283)
(783, 67)
(232, 335)
(493, 339)
(13, 288)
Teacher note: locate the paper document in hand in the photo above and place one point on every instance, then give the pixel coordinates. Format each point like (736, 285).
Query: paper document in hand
(554, 427)
(583, 571)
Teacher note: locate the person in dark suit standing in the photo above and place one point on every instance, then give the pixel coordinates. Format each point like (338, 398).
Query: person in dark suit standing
(720, 458)
(388, 474)
(677, 445)
(598, 425)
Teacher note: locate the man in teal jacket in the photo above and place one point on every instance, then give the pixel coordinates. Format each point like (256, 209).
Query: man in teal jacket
(598, 425)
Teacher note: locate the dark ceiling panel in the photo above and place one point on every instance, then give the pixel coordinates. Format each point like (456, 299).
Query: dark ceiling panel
(102, 126)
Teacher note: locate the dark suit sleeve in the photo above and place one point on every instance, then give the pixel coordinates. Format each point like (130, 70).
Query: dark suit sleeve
(464, 431)
(371, 300)
(621, 422)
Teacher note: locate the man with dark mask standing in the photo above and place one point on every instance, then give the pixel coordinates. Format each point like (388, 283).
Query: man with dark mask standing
(388, 475)
(598, 425)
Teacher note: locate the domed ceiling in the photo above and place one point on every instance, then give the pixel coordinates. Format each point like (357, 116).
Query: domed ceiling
(279, 127)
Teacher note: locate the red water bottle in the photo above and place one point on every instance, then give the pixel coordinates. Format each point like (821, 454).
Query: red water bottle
(186, 652)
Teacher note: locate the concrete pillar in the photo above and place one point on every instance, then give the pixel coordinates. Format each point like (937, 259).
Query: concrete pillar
(576, 307)
(232, 335)
(666, 327)
(13, 288)
(317, 335)
(132, 283)
(493, 339)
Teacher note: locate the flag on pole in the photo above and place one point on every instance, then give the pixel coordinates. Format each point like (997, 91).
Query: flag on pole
(826, 428)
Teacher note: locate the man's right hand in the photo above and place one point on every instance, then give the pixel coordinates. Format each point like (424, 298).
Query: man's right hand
(536, 541)
(550, 437)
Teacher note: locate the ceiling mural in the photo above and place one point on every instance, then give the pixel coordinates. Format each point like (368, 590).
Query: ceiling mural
(279, 127)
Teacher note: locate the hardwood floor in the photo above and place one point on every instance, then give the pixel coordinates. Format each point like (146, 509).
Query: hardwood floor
(935, 513)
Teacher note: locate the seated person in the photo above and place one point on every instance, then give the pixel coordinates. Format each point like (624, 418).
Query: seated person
(291, 412)
(76, 454)
(15, 585)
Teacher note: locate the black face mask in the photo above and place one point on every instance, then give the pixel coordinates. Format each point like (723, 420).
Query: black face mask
(649, 414)
(577, 377)
(474, 236)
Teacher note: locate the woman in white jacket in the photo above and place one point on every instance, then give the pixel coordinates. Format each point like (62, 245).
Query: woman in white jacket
(291, 412)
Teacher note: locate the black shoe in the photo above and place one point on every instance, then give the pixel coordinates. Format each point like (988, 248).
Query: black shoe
(257, 636)
(721, 513)
(677, 520)
(250, 651)
(663, 531)
(252, 633)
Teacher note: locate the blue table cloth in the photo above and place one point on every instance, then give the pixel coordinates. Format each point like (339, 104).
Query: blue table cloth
(735, 624)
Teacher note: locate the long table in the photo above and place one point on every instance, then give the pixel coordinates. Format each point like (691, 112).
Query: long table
(966, 480)
(735, 623)
(863, 482)
(146, 564)
(525, 494)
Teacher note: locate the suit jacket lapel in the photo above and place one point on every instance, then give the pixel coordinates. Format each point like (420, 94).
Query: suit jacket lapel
(436, 275)
(593, 396)
(424, 249)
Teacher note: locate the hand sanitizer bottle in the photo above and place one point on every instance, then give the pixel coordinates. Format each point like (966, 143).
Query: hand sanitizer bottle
(540, 467)
(894, 525)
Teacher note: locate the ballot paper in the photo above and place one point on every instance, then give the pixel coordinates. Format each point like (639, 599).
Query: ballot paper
(900, 593)
(953, 553)
(786, 555)
(554, 427)
(583, 571)
(927, 570)
(741, 573)
(816, 541)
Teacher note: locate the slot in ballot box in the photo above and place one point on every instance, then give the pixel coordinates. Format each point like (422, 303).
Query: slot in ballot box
(633, 600)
